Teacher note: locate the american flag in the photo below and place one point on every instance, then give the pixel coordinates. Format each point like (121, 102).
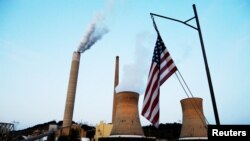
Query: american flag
(161, 69)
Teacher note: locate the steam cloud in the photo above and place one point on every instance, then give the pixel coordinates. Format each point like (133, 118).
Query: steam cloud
(134, 76)
(94, 33)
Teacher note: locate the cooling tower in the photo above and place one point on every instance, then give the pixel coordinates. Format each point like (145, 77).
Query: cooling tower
(127, 121)
(193, 121)
(70, 100)
(116, 82)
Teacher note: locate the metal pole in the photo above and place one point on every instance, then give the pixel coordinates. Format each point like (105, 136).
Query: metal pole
(207, 68)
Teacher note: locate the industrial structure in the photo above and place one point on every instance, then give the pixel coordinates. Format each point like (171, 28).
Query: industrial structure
(5, 131)
(70, 100)
(194, 125)
(125, 116)
(127, 120)
(102, 130)
(116, 82)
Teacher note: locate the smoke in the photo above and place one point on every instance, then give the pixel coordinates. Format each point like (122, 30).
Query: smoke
(96, 29)
(134, 76)
(93, 34)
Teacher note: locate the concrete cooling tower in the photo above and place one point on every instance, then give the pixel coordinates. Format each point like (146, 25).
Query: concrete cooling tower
(127, 121)
(194, 125)
(125, 115)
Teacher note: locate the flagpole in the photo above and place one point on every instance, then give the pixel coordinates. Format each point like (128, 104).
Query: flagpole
(203, 53)
(207, 68)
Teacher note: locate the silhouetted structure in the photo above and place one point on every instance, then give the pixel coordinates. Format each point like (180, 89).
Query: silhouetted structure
(169, 131)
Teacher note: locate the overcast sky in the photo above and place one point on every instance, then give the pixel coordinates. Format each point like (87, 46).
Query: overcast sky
(38, 38)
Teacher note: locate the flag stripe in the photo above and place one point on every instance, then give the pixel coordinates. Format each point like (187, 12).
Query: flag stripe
(164, 56)
(161, 69)
(150, 80)
(151, 104)
(168, 75)
(153, 107)
(155, 111)
(151, 92)
(166, 67)
(152, 75)
(166, 71)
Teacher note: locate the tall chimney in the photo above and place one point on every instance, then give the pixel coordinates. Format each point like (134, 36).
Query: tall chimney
(193, 121)
(70, 100)
(116, 82)
(127, 120)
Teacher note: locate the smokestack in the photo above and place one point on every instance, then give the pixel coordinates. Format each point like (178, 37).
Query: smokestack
(126, 120)
(193, 121)
(116, 82)
(70, 100)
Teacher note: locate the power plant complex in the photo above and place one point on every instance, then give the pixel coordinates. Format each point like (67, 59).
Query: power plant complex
(125, 116)
(126, 123)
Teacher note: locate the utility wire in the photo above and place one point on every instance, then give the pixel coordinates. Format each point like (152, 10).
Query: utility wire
(194, 104)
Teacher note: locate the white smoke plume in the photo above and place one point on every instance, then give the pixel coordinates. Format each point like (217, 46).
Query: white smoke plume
(96, 29)
(93, 34)
(134, 77)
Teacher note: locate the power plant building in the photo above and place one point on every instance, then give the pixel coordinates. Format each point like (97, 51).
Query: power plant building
(102, 130)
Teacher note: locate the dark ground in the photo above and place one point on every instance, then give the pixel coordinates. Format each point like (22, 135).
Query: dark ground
(169, 131)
